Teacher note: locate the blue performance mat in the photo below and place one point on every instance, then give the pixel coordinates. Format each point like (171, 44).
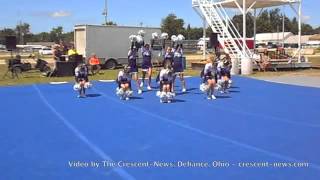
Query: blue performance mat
(260, 130)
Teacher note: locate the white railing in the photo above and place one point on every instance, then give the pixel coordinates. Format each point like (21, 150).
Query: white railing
(219, 21)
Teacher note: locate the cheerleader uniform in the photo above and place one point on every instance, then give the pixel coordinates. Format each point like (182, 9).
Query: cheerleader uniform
(177, 61)
(168, 58)
(81, 73)
(165, 79)
(132, 61)
(209, 72)
(123, 78)
(146, 62)
(223, 69)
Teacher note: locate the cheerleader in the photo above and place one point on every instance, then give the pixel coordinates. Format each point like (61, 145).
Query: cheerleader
(132, 63)
(229, 67)
(124, 84)
(178, 67)
(82, 81)
(146, 65)
(209, 77)
(166, 77)
(168, 56)
(224, 74)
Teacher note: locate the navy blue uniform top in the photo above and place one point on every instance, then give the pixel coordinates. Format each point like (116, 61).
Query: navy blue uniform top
(146, 61)
(168, 57)
(177, 61)
(132, 61)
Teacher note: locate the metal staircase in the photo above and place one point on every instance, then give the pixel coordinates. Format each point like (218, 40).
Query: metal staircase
(219, 21)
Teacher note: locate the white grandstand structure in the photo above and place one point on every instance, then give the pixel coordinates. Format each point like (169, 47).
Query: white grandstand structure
(215, 14)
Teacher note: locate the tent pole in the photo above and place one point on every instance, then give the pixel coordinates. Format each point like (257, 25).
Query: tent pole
(244, 26)
(299, 34)
(204, 39)
(254, 28)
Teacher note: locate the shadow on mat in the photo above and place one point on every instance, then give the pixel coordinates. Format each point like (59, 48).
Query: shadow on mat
(136, 98)
(234, 91)
(223, 97)
(93, 95)
(192, 89)
(234, 87)
(178, 101)
(182, 93)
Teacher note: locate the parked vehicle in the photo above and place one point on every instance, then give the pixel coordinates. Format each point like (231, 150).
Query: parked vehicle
(46, 51)
(111, 43)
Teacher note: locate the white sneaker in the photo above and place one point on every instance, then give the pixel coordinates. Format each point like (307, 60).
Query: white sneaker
(161, 101)
(127, 98)
(209, 98)
(141, 84)
(149, 88)
(169, 101)
(213, 97)
(184, 90)
(139, 91)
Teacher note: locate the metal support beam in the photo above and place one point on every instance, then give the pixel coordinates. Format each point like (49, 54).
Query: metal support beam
(240, 8)
(204, 38)
(251, 6)
(244, 26)
(254, 28)
(299, 33)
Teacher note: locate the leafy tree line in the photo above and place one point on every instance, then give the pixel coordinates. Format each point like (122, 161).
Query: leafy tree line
(23, 34)
(268, 21)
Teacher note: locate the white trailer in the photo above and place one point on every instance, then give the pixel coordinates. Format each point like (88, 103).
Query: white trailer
(110, 43)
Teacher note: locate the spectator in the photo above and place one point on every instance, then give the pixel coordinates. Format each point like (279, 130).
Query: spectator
(72, 51)
(94, 64)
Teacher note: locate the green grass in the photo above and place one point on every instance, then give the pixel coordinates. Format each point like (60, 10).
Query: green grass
(314, 60)
(34, 76)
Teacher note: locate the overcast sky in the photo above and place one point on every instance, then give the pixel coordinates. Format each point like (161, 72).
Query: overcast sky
(45, 14)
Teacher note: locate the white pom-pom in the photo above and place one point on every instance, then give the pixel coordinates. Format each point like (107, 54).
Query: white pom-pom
(133, 38)
(162, 94)
(164, 36)
(139, 39)
(204, 87)
(163, 97)
(129, 93)
(180, 37)
(230, 83)
(169, 96)
(76, 87)
(119, 92)
(158, 93)
(87, 85)
(174, 38)
(141, 33)
(155, 35)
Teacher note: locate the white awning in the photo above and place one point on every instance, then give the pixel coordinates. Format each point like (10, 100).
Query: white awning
(258, 3)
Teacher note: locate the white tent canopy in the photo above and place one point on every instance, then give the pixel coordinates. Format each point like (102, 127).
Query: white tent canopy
(255, 4)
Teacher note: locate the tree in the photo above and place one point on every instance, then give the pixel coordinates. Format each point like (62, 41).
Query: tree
(56, 34)
(110, 23)
(172, 25)
(317, 30)
(307, 29)
(238, 22)
(22, 30)
(6, 32)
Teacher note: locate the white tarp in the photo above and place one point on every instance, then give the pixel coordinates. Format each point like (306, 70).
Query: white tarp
(258, 3)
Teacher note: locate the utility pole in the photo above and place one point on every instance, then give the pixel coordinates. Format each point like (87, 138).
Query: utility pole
(105, 12)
